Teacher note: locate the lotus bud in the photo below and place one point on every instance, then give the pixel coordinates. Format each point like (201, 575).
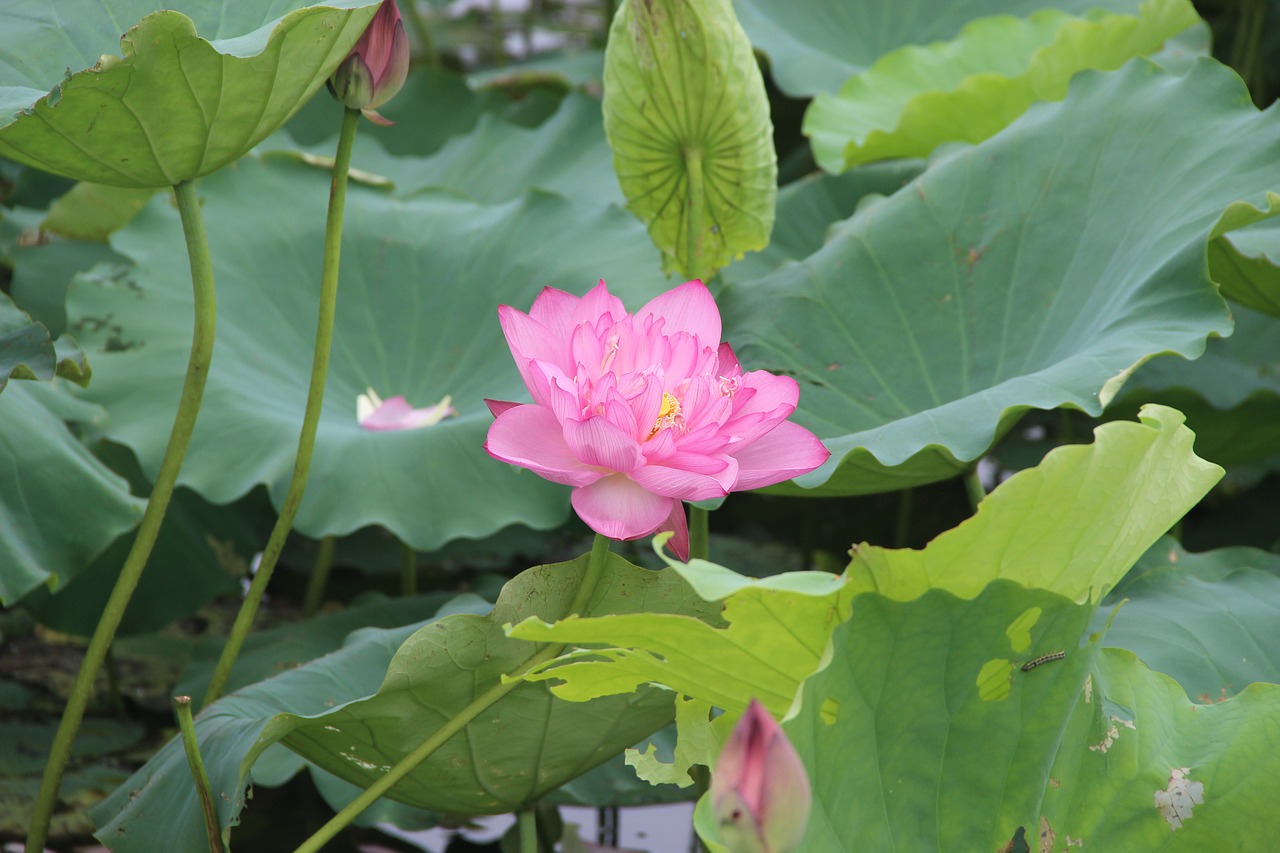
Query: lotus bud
(760, 791)
(376, 67)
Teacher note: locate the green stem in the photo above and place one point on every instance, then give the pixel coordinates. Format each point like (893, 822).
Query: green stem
(408, 570)
(182, 710)
(183, 424)
(699, 535)
(973, 486)
(460, 720)
(528, 820)
(696, 201)
(901, 530)
(319, 580)
(430, 56)
(310, 418)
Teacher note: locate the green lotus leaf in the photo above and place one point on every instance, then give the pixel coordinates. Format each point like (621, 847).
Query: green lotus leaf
(687, 117)
(416, 316)
(26, 350)
(1030, 271)
(1206, 620)
(1245, 259)
(494, 162)
(43, 271)
(59, 506)
(1230, 395)
(159, 800)
(816, 45)
(916, 98)
(93, 212)
(172, 105)
(961, 742)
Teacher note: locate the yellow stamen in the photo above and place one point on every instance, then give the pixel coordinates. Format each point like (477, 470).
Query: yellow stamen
(669, 415)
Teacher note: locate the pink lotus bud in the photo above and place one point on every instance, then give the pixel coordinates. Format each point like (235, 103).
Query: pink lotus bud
(376, 67)
(760, 791)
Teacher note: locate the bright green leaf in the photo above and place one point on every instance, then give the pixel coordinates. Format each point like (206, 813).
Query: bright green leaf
(916, 98)
(687, 117)
(1207, 620)
(1037, 269)
(172, 105)
(1245, 258)
(1039, 530)
(93, 212)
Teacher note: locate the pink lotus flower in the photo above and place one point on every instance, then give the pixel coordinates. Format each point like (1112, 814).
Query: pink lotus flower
(760, 790)
(374, 413)
(640, 412)
(376, 67)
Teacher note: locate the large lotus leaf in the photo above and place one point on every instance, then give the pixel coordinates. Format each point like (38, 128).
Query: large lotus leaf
(159, 800)
(1139, 479)
(59, 506)
(916, 98)
(496, 161)
(93, 212)
(416, 315)
(28, 351)
(173, 105)
(1211, 621)
(687, 117)
(1230, 395)
(1072, 526)
(1037, 269)
(521, 747)
(816, 45)
(927, 731)
(42, 273)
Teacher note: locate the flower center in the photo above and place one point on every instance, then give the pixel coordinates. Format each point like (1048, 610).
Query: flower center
(668, 416)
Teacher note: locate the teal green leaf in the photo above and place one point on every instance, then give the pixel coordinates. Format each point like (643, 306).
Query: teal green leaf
(1081, 547)
(171, 105)
(416, 316)
(1245, 258)
(159, 800)
(1206, 620)
(1230, 395)
(819, 44)
(43, 271)
(521, 747)
(59, 506)
(967, 89)
(687, 117)
(1037, 269)
(28, 351)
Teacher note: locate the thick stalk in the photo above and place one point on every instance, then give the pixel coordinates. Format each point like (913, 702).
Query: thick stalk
(699, 535)
(460, 720)
(693, 224)
(183, 424)
(973, 486)
(182, 710)
(310, 418)
(528, 821)
(319, 580)
(408, 570)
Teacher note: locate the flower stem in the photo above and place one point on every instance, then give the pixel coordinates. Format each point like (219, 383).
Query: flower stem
(695, 202)
(319, 579)
(973, 486)
(182, 710)
(528, 820)
(310, 418)
(460, 720)
(430, 55)
(699, 535)
(183, 424)
(408, 570)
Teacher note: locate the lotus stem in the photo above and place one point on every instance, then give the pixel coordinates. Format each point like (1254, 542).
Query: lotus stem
(460, 720)
(179, 437)
(528, 822)
(973, 486)
(310, 418)
(408, 570)
(699, 533)
(430, 55)
(182, 710)
(319, 579)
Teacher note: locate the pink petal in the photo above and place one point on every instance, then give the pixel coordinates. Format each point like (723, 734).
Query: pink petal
(787, 451)
(497, 407)
(600, 442)
(396, 413)
(688, 308)
(554, 309)
(679, 525)
(530, 436)
(598, 303)
(616, 507)
(676, 483)
(529, 340)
